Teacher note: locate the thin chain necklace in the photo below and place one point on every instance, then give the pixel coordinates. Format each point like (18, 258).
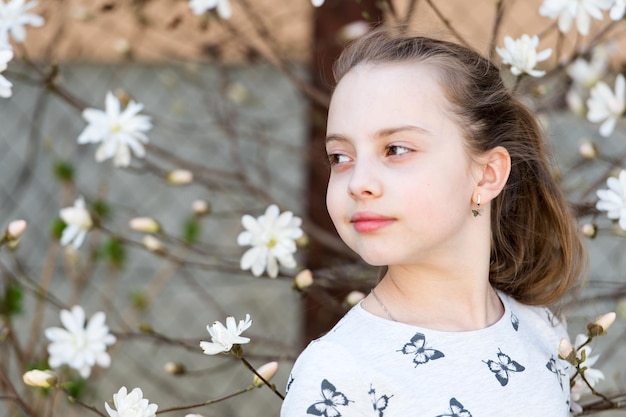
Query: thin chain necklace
(383, 306)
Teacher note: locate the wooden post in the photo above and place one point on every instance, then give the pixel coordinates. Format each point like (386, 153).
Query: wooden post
(328, 21)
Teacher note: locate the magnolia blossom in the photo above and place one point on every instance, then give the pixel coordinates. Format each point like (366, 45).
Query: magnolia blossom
(618, 9)
(13, 18)
(223, 7)
(587, 73)
(593, 376)
(607, 106)
(78, 223)
(223, 338)
(78, 346)
(267, 371)
(6, 55)
(521, 54)
(568, 10)
(15, 229)
(131, 405)
(40, 379)
(117, 131)
(613, 200)
(272, 237)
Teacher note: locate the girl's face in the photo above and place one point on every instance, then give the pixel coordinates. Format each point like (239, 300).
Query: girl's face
(401, 183)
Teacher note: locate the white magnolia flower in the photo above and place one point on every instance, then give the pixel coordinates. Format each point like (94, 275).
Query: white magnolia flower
(317, 3)
(223, 7)
(6, 55)
(78, 223)
(587, 73)
(521, 54)
(613, 200)
(606, 106)
(131, 405)
(618, 9)
(119, 131)
(223, 338)
(78, 346)
(13, 18)
(272, 237)
(593, 376)
(568, 10)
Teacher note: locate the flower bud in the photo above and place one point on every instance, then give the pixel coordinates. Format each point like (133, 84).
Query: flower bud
(302, 241)
(175, 368)
(354, 297)
(200, 207)
(145, 225)
(267, 371)
(588, 150)
(15, 229)
(303, 280)
(605, 321)
(566, 351)
(40, 379)
(122, 46)
(153, 244)
(575, 102)
(237, 93)
(589, 230)
(353, 31)
(179, 177)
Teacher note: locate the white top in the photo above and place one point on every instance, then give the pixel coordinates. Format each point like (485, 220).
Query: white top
(369, 366)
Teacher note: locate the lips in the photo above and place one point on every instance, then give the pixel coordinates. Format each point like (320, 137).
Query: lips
(369, 222)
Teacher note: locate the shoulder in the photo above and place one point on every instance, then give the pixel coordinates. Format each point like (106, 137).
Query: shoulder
(324, 380)
(538, 320)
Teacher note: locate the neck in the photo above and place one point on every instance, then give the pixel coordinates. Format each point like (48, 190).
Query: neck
(440, 300)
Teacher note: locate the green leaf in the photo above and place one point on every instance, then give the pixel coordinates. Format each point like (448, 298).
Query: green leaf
(114, 252)
(63, 171)
(191, 230)
(56, 228)
(101, 209)
(11, 302)
(139, 300)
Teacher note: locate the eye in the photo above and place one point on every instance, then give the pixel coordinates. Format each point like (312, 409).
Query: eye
(338, 158)
(397, 150)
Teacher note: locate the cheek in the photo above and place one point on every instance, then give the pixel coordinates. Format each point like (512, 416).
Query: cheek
(333, 201)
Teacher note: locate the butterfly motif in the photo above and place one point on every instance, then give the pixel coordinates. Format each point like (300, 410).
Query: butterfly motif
(331, 399)
(289, 382)
(457, 410)
(552, 366)
(380, 403)
(417, 347)
(503, 366)
(514, 321)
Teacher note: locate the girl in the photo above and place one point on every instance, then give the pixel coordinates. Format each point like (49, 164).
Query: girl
(441, 176)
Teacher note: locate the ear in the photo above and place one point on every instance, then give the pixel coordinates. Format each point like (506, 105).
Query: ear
(493, 168)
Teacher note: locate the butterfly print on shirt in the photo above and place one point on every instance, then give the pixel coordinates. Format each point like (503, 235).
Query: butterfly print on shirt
(554, 368)
(514, 321)
(331, 399)
(503, 366)
(456, 410)
(379, 403)
(289, 382)
(422, 354)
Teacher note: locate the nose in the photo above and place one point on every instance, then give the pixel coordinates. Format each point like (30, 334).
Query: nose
(364, 182)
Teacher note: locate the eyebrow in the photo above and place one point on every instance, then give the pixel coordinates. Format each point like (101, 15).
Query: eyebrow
(383, 133)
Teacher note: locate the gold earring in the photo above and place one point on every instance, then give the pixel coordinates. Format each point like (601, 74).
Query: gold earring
(477, 211)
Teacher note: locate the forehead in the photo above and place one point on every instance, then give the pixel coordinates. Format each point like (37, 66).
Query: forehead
(374, 96)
